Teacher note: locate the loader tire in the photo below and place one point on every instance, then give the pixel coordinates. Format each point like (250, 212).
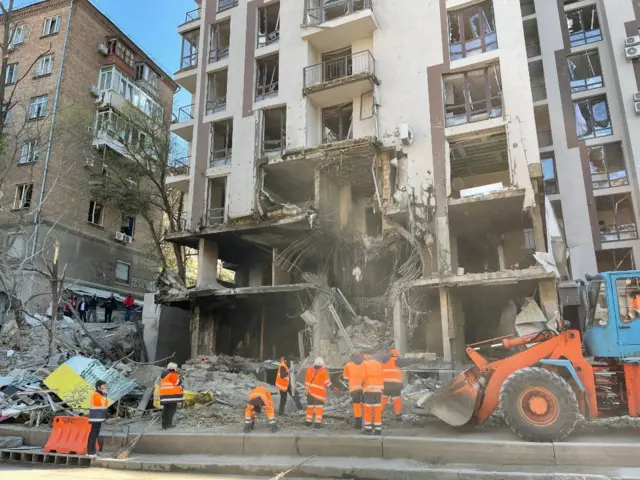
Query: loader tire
(539, 405)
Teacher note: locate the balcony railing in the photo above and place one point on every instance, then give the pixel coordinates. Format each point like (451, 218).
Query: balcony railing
(226, 4)
(273, 147)
(192, 15)
(189, 61)
(217, 54)
(184, 114)
(347, 66)
(220, 158)
(218, 104)
(613, 233)
(320, 11)
(181, 223)
(215, 216)
(179, 166)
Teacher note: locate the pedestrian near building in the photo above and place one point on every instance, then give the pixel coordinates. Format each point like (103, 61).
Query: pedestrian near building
(82, 310)
(92, 307)
(316, 383)
(128, 307)
(97, 415)
(373, 384)
(392, 364)
(353, 375)
(259, 398)
(171, 393)
(109, 306)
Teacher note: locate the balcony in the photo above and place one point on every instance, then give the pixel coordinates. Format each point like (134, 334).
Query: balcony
(224, 5)
(178, 173)
(115, 133)
(332, 24)
(115, 89)
(187, 75)
(221, 137)
(616, 218)
(219, 43)
(183, 122)
(341, 79)
(215, 217)
(191, 18)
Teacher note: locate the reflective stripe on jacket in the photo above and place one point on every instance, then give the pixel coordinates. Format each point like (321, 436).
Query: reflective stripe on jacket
(282, 383)
(171, 390)
(316, 382)
(353, 374)
(373, 376)
(391, 372)
(98, 408)
(264, 395)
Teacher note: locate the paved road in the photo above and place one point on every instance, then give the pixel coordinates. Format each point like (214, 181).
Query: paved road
(10, 472)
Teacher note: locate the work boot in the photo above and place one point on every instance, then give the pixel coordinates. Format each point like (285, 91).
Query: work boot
(367, 431)
(247, 428)
(398, 417)
(357, 424)
(308, 424)
(317, 425)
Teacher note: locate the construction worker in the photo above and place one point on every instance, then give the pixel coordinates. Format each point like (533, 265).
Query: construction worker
(97, 415)
(284, 384)
(316, 383)
(259, 397)
(171, 393)
(373, 384)
(392, 365)
(353, 375)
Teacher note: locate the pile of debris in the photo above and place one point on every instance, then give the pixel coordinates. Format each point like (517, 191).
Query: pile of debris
(369, 334)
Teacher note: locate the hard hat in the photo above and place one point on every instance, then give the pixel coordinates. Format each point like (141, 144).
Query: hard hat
(172, 366)
(319, 362)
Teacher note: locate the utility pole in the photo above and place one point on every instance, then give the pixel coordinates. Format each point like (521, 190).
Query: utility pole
(54, 300)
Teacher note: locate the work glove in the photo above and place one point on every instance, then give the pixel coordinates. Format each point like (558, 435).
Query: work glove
(274, 427)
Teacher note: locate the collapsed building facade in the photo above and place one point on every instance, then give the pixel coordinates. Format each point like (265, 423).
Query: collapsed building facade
(370, 179)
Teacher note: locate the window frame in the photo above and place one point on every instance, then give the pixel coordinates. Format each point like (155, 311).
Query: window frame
(552, 158)
(341, 127)
(50, 22)
(30, 150)
(267, 90)
(470, 116)
(115, 272)
(585, 38)
(13, 68)
(609, 181)
(581, 56)
(23, 196)
(91, 215)
(132, 225)
(40, 106)
(595, 132)
(618, 232)
(264, 37)
(40, 66)
(485, 46)
(216, 52)
(12, 35)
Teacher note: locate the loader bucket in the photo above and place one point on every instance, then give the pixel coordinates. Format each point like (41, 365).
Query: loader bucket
(454, 403)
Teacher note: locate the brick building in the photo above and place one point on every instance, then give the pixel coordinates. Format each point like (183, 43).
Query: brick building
(69, 66)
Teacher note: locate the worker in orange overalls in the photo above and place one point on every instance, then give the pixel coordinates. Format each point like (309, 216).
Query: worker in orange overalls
(316, 382)
(373, 384)
(259, 398)
(392, 364)
(97, 415)
(171, 393)
(353, 374)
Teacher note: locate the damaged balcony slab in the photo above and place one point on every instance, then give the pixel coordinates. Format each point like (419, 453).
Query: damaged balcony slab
(503, 277)
(247, 291)
(326, 35)
(503, 208)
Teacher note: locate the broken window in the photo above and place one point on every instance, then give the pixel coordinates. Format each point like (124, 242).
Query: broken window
(472, 31)
(617, 259)
(592, 117)
(274, 131)
(190, 49)
(23, 196)
(96, 211)
(216, 201)
(221, 143)
(616, 218)
(473, 96)
(268, 25)
(337, 123)
(585, 71)
(607, 166)
(220, 38)
(319, 11)
(267, 77)
(548, 164)
(217, 92)
(583, 25)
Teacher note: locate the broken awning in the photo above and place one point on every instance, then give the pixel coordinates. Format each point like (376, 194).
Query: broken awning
(103, 294)
(74, 381)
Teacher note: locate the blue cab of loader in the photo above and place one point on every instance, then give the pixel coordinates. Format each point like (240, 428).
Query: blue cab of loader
(587, 365)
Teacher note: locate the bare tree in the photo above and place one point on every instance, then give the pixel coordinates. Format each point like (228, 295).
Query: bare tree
(135, 179)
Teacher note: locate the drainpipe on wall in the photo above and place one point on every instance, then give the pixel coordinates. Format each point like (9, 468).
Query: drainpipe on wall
(36, 219)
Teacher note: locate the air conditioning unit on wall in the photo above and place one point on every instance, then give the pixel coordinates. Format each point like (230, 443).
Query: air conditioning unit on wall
(632, 52)
(123, 237)
(102, 48)
(636, 106)
(630, 41)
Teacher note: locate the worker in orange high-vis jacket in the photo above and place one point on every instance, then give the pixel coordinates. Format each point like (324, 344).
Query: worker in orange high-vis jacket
(316, 383)
(285, 384)
(392, 364)
(97, 415)
(259, 398)
(353, 375)
(171, 393)
(373, 384)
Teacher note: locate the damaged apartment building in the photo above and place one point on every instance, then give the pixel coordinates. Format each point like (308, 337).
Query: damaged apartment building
(371, 174)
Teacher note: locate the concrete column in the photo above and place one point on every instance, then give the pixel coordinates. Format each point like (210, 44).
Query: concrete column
(501, 263)
(457, 322)
(399, 327)
(445, 322)
(346, 203)
(548, 298)
(538, 228)
(195, 332)
(278, 275)
(207, 262)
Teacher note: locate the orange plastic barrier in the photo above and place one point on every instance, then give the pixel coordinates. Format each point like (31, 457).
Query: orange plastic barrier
(69, 435)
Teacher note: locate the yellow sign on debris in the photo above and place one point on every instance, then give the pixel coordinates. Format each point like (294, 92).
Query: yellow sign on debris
(190, 398)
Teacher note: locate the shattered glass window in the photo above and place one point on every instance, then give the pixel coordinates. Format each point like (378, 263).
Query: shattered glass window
(592, 117)
(472, 31)
(584, 26)
(585, 71)
(607, 167)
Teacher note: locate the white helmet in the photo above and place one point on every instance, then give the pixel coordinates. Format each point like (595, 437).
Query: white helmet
(319, 362)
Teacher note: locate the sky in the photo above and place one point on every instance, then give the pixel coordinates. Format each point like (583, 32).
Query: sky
(152, 25)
